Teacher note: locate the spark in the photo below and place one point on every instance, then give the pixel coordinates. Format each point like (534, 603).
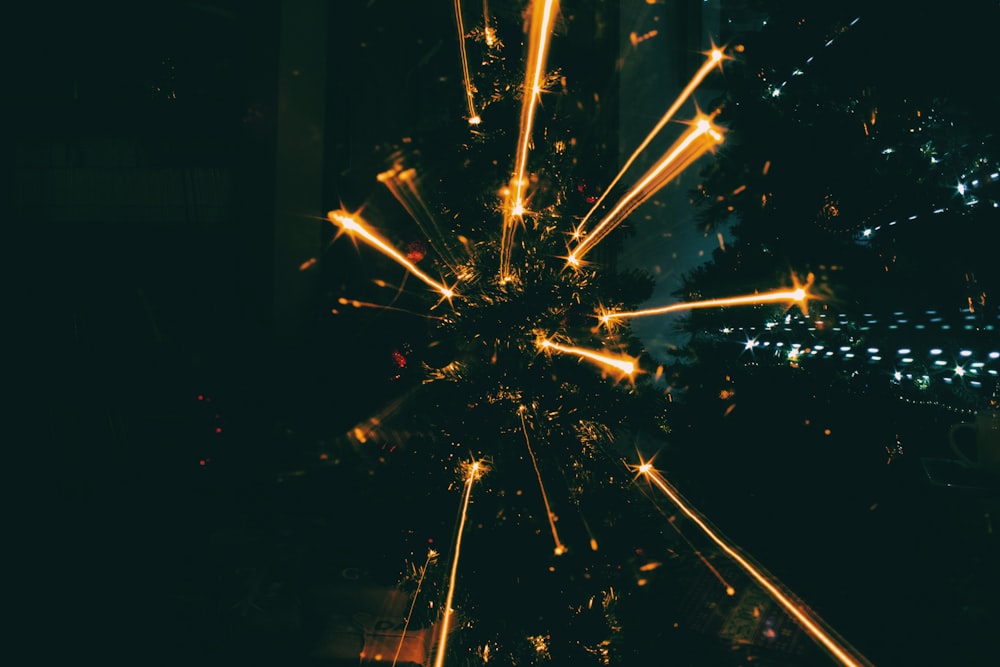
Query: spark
(371, 428)
(701, 137)
(624, 364)
(356, 226)
(473, 118)
(715, 58)
(474, 471)
(809, 620)
(542, 19)
(800, 295)
(431, 555)
(560, 548)
(490, 33)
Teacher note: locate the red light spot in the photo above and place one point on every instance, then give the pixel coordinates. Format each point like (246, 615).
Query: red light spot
(415, 251)
(324, 456)
(201, 397)
(218, 429)
(202, 462)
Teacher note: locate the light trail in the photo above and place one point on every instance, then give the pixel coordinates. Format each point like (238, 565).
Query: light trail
(473, 118)
(702, 137)
(799, 295)
(542, 19)
(730, 591)
(813, 625)
(402, 183)
(357, 227)
(560, 548)
(354, 303)
(621, 363)
(474, 472)
(431, 555)
(715, 58)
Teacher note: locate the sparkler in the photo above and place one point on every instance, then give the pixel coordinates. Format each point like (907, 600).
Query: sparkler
(560, 548)
(715, 58)
(473, 118)
(826, 637)
(356, 226)
(701, 137)
(542, 18)
(623, 364)
(799, 295)
(694, 143)
(474, 472)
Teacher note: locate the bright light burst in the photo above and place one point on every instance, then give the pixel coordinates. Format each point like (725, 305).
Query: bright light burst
(799, 295)
(507, 327)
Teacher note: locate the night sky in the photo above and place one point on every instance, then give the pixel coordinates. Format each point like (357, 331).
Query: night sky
(240, 431)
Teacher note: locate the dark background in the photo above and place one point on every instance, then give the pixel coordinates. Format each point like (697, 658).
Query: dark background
(169, 161)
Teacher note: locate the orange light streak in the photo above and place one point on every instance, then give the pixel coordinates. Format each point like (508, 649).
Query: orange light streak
(473, 118)
(542, 19)
(356, 226)
(813, 625)
(560, 548)
(621, 363)
(431, 555)
(800, 295)
(402, 183)
(694, 143)
(473, 474)
(715, 57)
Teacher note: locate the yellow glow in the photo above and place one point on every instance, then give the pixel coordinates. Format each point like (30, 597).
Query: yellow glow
(473, 116)
(715, 57)
(621, 363)
(701, 137)
(560, 548)
(800, 295)
(542, 19)
(357, 227)
(809, 621)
